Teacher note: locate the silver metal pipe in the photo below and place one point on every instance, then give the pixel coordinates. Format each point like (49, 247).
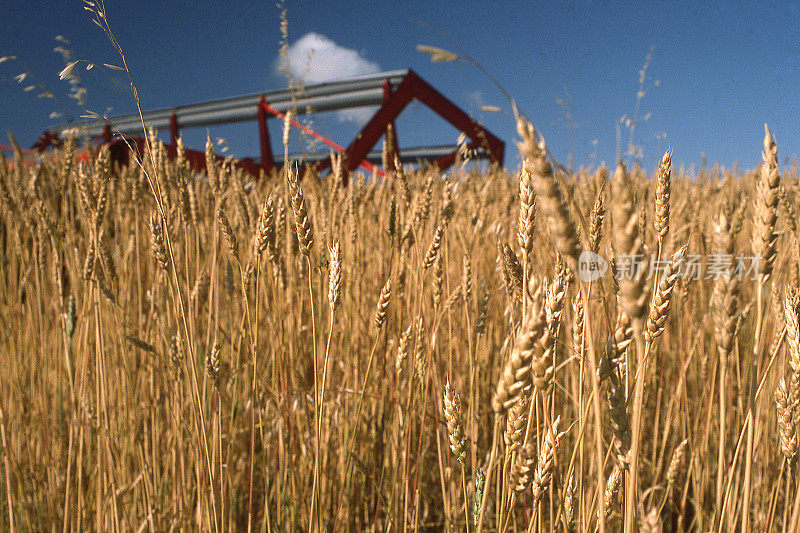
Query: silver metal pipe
(317, 104)
(407, 155)
(329, 96)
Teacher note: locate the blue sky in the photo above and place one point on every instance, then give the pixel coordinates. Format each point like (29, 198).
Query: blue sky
(719, 70)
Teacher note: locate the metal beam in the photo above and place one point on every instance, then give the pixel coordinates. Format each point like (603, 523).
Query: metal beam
(371, 132)
(413, 87)
(362, 91)
(407, 155)
(390, 91)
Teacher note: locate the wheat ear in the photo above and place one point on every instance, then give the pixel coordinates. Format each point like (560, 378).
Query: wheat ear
(563, 234)
(543, 475)
(765, 213)
(663, 182)
(786, 423)
(305, 230)
(527, 213)
(659, 306)
(516, 375)
(628, 244)
(455, 429)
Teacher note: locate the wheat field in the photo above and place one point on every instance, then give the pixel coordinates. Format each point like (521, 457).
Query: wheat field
(217, 353)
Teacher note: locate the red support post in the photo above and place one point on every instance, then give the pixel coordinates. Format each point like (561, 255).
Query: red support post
(414, 87)
(395, 99)
(46, 140)
(372, 131)
(387, 92)
(267, 159)
(174, 131)
(364, 164)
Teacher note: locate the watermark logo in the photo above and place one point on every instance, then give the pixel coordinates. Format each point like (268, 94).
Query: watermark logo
(591, 266)
(694, 267)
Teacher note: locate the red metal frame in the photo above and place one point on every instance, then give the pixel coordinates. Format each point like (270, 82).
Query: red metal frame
(387, 93)
(267, 159)
(366, 165)
(174, 131)
(395, 100)
(195, 158)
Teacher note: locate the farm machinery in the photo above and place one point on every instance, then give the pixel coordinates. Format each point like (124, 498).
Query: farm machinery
(391, 92)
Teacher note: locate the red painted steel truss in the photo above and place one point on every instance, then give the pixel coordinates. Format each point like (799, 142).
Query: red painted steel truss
(396, 97)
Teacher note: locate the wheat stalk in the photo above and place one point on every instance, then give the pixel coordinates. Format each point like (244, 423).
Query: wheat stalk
(618, 417)
(659, 306)
(596, 223)
(433, 249)
(227, 232)
(562, 229)
(765, 213)
(527, 214)
(383, 304)
(157, 240)
(543, 475)
(628, 244)
(455, 429)
(305, 230)
(516, 375)
(516, 422)
(663, 182)
(512, 270)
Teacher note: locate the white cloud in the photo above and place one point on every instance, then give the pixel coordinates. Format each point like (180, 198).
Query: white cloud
(315, 58)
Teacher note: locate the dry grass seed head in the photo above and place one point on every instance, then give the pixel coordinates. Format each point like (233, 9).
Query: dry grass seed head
(466, 278)
(613, 357)
(227, 232)
(455, 429)
(383, 304)
(570, 496)
(516, 421)
(213, 364)
(522, 470)
(438, 280)
(265, 236)
(527, 213)
(663, 179)
(543, 475)
(433, 249)
(212, 171)
(765, 213)
(630, 247)
(512, 270)
(335, 276)
(596, 223)
(403, 349)
(613, 484)
(786, 420)
(791, 318)
(516, 375)
(421, 353)
(577, 326)
(726, 292)
(88, 262)
(200, 289)
(157, 241)
(659, 306)
(651, 522)
(618, 416)
(305, 230)
(548, 193)
(675, 463)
